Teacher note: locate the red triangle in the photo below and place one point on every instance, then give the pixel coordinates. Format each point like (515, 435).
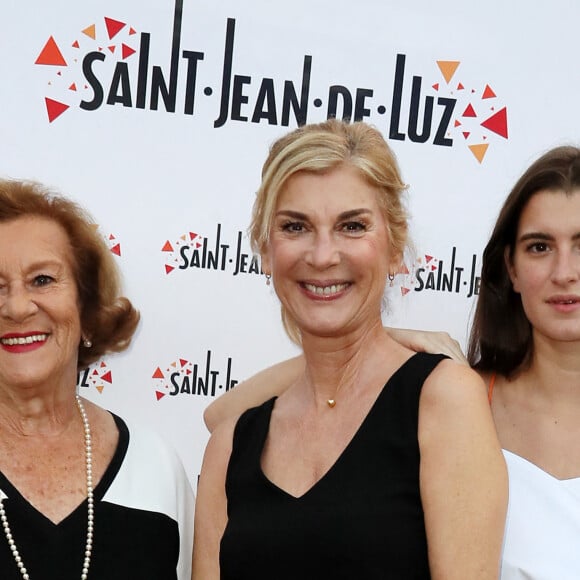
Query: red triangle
(460, 87)
(132, 31)
(428, 258)
(466, 134)
(183, 362)
(488, 93)
(158, 374)
(73, 87)
(126, 51)
(167, 247)
(103, 365)
(111, 237)
(116, 249)
(54, 109)
(192, 236)
(113, 26)
(436, 86)
(457, 123)
(112, 48)
(50, 54)
(95, 372)
(469, 112)
(498, 123)
(107, 377)
(404, 290)
(168, 268)
(159, 395)
(75, 44)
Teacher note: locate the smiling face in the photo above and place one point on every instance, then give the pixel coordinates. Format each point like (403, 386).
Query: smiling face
(39, 309)
(329, 252)
(545, 268)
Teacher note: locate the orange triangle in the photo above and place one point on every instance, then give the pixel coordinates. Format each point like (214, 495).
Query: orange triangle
(51, 54)
(126, 51)
(498, 123)
(116, 249)
(167, 247)
(113, 26)
(488, 93)
(159, 395)
(54, 109)
(479, 151)
(100, 388)
(73, 87)
(107, 377)
(90, 31)
(448, 68)
(158, 374)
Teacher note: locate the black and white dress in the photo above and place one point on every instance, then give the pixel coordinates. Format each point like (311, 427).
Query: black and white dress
(143, 520)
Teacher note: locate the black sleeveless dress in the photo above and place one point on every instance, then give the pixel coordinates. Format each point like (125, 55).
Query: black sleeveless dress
(363, 520)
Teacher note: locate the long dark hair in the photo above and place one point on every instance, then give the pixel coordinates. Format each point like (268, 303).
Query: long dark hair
(501, 334)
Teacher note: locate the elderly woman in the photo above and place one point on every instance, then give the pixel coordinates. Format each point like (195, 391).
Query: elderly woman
(82, 495)
(376, 462)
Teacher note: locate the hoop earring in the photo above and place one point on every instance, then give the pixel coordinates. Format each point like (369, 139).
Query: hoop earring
(391, 279)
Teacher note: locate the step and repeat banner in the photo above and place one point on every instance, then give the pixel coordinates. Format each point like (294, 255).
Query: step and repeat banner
(157, 117)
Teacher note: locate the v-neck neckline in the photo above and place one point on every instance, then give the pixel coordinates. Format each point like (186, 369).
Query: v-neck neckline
(12, 494)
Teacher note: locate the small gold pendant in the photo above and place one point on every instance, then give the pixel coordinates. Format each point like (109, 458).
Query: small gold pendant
(331, 403)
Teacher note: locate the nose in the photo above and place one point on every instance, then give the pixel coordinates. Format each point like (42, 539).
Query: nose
(566, 267)
(323, 252)
(16, 303)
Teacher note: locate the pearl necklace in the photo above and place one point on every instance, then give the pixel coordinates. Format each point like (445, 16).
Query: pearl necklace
(90, 505)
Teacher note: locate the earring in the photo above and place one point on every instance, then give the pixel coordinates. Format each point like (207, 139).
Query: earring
(87, 343)
(391, 279)
(268, 278)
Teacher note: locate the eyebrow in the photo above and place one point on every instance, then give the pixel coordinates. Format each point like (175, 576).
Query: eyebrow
(542, 236)
(342, 216)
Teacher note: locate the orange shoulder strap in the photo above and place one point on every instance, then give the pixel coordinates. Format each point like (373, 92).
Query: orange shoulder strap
(490, 387)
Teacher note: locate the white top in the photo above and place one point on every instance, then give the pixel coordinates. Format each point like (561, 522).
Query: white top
(542, 537)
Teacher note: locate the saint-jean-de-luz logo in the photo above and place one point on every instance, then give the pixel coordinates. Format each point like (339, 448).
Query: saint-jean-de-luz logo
(439, 107)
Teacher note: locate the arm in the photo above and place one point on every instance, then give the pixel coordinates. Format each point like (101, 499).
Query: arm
(211, 504)
(259, 388)
(428, 341)
(463, 476)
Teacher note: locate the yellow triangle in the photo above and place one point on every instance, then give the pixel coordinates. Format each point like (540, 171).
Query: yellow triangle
(479, 150)
(90, 31)
(448, 68)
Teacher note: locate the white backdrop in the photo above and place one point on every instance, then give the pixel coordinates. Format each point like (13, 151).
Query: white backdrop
(157, 117)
